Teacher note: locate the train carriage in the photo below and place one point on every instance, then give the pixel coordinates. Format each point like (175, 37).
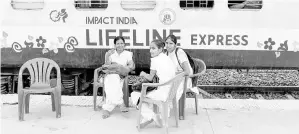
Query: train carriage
(223, 33)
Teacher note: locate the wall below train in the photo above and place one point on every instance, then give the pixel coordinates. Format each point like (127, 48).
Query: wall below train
(217, 59)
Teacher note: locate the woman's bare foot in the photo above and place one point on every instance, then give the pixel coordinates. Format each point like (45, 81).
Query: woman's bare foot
(144, 124)
(158, 121)
(106, 114)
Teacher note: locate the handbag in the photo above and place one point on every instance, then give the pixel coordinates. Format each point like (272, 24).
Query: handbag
(138, 85)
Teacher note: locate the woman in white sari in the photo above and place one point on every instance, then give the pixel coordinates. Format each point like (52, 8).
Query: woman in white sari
(113, 82)
(162, 66)
(180, 61)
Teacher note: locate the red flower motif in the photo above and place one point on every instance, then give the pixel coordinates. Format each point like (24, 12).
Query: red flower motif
(269, 43)
(40, 42)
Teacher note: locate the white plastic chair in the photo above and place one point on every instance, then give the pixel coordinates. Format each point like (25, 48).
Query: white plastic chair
(174, 82)
(201, 70)
(39, 69)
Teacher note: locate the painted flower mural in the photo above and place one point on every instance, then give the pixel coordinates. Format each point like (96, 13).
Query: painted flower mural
(4, 39)
(69, 45)
(269, 43)
(283, 47)
(41, 42)
(17, 47)
(53, 47)
(296, 46)
(28, 44)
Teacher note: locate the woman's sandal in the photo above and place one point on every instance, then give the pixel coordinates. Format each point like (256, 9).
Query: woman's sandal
(124, 109)
(106, 114)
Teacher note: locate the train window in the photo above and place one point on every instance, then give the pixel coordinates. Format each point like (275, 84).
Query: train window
(245, 4)
(138, 4)
(91, 4)
(27, 4)
(196, 4)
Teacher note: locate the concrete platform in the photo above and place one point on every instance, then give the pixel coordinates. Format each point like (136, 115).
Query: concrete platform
(225, 116)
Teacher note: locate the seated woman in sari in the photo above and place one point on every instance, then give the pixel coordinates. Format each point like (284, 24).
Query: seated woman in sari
(162, 66)
(121, 62)
(181, 63)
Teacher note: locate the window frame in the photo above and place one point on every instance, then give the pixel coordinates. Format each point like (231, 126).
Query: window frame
(244, 9)
(13, 4)
(124, 3)
(90, 3)
(195, 7)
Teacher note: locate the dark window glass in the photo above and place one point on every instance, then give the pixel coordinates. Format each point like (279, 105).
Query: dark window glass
(245, 4)
(196, 4)
(91, 4)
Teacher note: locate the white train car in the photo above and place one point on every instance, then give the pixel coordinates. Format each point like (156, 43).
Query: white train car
(224, 33)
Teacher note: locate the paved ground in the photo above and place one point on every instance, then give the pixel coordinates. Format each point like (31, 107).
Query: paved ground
(215, 117)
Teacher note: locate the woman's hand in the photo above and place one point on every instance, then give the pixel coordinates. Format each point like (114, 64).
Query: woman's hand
(150, 76)
(107, 56)
(143, 74)
(110, 52)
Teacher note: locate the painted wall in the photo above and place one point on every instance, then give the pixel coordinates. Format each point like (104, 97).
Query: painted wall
(268, 37)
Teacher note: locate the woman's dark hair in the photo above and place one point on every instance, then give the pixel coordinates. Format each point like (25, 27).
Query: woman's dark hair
(172, 38)
(118, 38)
(159, 43)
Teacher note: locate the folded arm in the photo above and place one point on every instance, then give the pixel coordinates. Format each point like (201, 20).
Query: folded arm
(149, 76)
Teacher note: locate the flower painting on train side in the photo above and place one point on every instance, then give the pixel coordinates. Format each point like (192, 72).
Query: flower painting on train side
(41, 42)
(296, 46)
(4, 39)
(270, 45)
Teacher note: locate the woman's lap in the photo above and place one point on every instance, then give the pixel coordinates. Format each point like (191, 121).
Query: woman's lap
(113, 88)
